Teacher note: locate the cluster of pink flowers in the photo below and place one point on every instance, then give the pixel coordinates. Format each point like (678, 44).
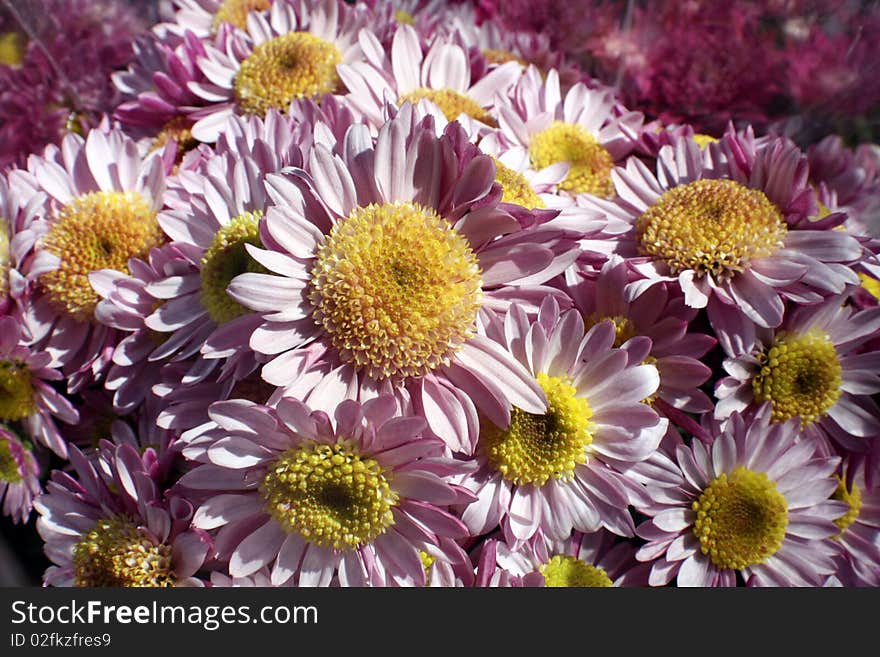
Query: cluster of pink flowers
(386, 295)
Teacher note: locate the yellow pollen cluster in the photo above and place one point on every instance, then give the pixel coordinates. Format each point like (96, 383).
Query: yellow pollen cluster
(515, 188)
(800, 375)
(177, 129)
(9, 472)
(567, 571)
(741, 519)
(17, 398)
(397, 290)
(404, 17)
(872, 285)
(99, 230)
(590, 164)
(704, 140)
(225, 259)
(535, 448)
(624, 329)
(116, 553)
(427, 562)
(853, 498)
(236, 11)
(4, 258)
(288, 67)
(12, 48)
(496, 56)
(330, 494)
(452, 103)
(713, 227)
(650, 399)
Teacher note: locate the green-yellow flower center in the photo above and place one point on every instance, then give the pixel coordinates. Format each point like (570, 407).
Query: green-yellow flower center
(12, 48)
(397, 289)
(404, 17)
(872, 285)
(117, 553)
(536, 448)
(590, 164)
(288, 67)
(515, 188)
(236, 11)
(17, 394)
(853, 497)
(452, 103)
(427, 563)
(703, 140)
(177, 129)
(740, 519)
(568, 571)
(99, 230)
(331, 495)
(714, 227)
(225, 259)
(9, 471)
(499, 56)
(4, 258)
(624, 329)
(800, 375)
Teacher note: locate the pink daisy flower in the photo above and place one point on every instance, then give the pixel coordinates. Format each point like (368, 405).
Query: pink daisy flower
(753, 507)
(658, 313)
(381, 271)
(206, 17)
(564, 469)
(730, 225)
(250, 72)
(19, 477)
(27, 394)
(585, 128)
(359, 496)
(812, 367)
(101, 200)
(859, 535)
(440, 77)
(212, 213)
(591, 560)
(112, 527)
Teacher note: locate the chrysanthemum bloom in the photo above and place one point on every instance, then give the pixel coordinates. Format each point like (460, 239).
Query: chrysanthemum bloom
(102, 197)
(290, 53)
(19, 477)
(382, 259)
(361, 495)
(658, 313)
(27, 395)
(591, 560)
(564, 469)
(112, 527)
(587, 128)
(813, 368)
(205, 17)
(441, 77)
(731, 224)
(753, 507)
(213, 212)
(125, 304)
(859, 535)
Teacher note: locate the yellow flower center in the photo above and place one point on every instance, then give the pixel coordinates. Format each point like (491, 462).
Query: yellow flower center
(871, 284)
(288, 67)
(535, 448)
(568, 571)
(713, 227)
(236, 11)
(12, 48)
(452, 103)
(515, 188)
(800, 375)
(9, 471)
(741, 519)
(427, 562)
(624, 329)
(590, 164)
(498, 56)
(177, 129)
(330, 494)
(99, 230)
(704, 140)
(225, 259)
(17, 398)
(404, 17)
(116, 553)
(4, 258)
(397, 289)
(853, 498)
